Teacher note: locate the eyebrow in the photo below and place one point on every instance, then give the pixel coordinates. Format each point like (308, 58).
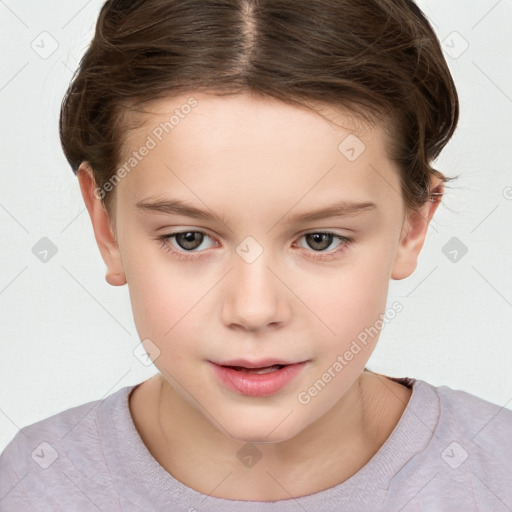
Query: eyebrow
(177, 207)
(339, 209)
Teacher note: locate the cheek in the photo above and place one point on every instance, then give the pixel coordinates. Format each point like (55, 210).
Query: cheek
(163, 304)
(162, 292)
(349, 305)
(345, 302)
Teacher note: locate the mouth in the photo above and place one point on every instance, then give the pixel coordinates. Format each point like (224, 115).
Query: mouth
(258, 371)
(256, 367)
(257, 378)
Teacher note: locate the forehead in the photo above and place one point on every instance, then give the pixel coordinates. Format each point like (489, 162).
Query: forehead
(219, 145)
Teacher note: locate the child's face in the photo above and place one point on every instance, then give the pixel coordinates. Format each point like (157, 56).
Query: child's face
(254, 287)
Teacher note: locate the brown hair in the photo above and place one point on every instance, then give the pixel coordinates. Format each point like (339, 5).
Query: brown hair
(380, 59)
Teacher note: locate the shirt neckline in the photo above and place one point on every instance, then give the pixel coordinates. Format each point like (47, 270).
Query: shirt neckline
(130, 460)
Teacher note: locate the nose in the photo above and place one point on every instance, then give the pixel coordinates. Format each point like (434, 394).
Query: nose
(253, 296)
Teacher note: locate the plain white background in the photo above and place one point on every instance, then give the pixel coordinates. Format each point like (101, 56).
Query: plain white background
(67, 337)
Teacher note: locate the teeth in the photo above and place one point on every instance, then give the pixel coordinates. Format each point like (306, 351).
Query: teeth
(259, 371)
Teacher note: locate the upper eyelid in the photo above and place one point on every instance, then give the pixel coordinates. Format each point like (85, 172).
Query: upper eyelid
(301, 234)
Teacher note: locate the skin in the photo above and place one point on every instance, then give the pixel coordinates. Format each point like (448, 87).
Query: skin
(255, 162)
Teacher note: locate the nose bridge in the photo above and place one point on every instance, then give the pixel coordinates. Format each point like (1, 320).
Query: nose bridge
(254, 296)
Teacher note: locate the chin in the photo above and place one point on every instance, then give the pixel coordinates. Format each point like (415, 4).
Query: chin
(262, 431)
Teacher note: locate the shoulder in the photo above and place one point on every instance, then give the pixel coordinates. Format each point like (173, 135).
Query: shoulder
(55, 457)
(467, 460)
(39, 442)
(486, 426)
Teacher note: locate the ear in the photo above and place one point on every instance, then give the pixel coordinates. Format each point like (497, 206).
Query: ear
(414, 232)
(101, 223)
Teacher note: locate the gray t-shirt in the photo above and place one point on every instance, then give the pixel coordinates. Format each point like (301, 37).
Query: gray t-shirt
(450, 451)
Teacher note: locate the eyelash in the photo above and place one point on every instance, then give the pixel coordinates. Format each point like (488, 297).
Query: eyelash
(187, 255)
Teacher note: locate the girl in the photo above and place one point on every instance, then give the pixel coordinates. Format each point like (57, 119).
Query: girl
(256, 172)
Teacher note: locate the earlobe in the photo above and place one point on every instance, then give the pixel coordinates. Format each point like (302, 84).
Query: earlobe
(101, 223)
(414, 232)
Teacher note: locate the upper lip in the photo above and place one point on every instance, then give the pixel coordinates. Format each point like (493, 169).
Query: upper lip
(255, 364)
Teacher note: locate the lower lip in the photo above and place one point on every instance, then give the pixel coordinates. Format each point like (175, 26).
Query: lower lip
(252, 384)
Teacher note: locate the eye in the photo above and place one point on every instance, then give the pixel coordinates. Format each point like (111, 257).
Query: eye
(184, 242)
(319, 241)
